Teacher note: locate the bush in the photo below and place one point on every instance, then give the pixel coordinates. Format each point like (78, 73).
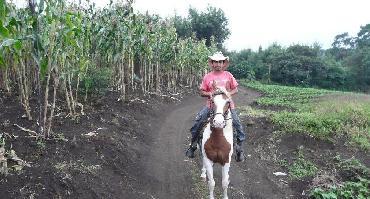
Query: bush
(96, 81)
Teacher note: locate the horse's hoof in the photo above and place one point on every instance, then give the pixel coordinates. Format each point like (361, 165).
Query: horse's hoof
(204, 178)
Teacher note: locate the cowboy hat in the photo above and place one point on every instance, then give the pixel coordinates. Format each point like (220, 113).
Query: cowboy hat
(218, 56)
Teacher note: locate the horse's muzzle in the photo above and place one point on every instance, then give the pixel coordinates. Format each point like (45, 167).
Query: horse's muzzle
(219, 121)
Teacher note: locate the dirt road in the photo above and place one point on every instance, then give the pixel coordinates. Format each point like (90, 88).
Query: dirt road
(172, 175)
(165, 165)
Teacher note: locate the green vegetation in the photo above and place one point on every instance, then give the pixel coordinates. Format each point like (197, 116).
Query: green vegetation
(288, 96)
(358, 185)
(348, 190)
(320, 113)
(208, 25)
(302, 167)
(352, 167)
(62, 51)
(345, 66)
(253, 112)
(96, 81)
(327, 115)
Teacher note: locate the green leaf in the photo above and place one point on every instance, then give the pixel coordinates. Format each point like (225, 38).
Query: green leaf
(2, 64)
(10, 42)
(18, 45)
(3, 9)
(4, 32)
(43, 67)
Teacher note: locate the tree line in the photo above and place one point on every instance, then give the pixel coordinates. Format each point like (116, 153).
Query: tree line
(344, 66)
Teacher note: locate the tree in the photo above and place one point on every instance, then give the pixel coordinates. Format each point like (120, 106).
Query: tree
(183, 26)
(342, 46)
(363, 37)
(212, 22)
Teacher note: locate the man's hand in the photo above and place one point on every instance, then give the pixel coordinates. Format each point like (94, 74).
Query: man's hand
(225, 92)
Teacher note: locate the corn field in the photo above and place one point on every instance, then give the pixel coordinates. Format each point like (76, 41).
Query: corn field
(55, 51)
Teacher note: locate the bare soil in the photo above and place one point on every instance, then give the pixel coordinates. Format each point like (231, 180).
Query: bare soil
(137, 151)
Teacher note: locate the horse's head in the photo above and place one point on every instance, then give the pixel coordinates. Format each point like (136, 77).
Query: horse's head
(221, 106)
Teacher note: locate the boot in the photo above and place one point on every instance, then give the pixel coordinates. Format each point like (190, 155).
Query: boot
(191, 149)
(239, 152)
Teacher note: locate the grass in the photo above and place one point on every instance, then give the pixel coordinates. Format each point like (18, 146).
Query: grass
(286, 96)
(320, 113)
(301, 167)
(253, 112)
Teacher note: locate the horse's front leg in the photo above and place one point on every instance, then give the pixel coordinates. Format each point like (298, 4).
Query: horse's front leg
(211, 182)
(225, 179)
(203, 175)
(204, 170)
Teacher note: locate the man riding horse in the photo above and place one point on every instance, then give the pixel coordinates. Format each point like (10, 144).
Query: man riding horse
(217, 78)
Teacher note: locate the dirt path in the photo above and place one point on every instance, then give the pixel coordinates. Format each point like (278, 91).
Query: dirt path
(169, 174)
(170, 171)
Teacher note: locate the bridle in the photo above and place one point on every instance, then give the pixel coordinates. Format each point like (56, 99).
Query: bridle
(224, 114)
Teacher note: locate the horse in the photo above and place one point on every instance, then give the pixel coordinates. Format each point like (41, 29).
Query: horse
(217, 142)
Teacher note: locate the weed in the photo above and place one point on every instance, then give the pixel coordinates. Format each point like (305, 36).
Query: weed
(358, 185)
(359, 190)
(79, 166)
(283, 163)
(60, 136)
(256, 113)
(301, 167)
(41, 145)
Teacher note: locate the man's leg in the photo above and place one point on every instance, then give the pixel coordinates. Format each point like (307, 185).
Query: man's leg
(240, 136)
(200, 119)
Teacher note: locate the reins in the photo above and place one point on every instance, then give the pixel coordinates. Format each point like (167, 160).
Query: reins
(212, 114)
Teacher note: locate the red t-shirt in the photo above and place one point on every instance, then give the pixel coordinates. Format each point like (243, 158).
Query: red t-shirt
(221, 79)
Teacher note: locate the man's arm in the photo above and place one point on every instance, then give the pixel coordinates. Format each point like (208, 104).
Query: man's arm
(209, 94)
(205, 93)
(233, 92)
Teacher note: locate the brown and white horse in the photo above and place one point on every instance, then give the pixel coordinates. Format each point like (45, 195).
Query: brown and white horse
(217, 143)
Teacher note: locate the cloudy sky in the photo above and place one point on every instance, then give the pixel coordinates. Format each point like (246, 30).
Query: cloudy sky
(262, 22)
